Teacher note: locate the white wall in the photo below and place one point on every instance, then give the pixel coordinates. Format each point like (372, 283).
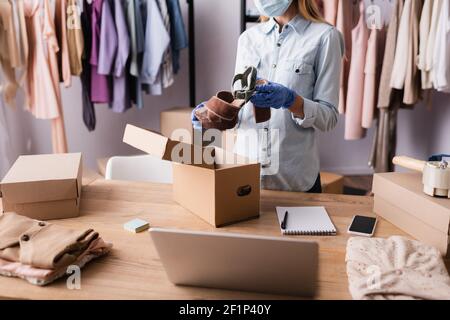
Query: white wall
(217, 29)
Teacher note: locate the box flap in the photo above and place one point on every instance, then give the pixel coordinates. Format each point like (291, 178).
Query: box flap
(40, 178)
(405, 190)
(163, 148)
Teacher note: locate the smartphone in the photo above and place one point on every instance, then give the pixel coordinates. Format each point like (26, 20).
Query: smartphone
(363, 226)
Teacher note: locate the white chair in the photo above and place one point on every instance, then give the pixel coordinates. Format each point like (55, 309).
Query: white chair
(139, 168)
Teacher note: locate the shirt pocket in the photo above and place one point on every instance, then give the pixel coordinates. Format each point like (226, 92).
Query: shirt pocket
(299, 76)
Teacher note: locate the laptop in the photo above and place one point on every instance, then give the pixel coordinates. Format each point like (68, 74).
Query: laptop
(269, 265)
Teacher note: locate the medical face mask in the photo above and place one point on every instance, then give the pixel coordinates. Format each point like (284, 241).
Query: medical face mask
(272, 8)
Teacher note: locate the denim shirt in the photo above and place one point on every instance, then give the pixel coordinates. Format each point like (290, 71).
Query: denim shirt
(305, 57)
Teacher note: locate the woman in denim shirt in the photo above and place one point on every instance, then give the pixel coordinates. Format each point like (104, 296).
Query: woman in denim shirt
(300, 56)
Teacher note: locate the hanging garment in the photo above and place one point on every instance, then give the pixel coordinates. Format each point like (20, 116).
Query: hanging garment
(21, 38)
(330, 8)
(108, 40)
(347, 19)
(61, 34)
(424, 33)
(157, 40)
(430, 50)
(385, 89)
(43, 96)
(353, 115)
(75, 39)
(121, 97)
(374, 56)
(178, 37)
(413, 93)
(395, 269)
(5, 142)
(8, 53)
(100, 86)
(135, 20)
(398, 76)
(441, 75)
(89, 118)
(167, 66)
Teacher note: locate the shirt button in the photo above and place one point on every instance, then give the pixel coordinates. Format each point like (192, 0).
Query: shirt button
(42, 224)
(25, 238)
(297, 70)
(274, 66)
(278, 44)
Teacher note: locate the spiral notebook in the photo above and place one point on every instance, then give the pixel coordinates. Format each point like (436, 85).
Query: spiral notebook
(306, 221)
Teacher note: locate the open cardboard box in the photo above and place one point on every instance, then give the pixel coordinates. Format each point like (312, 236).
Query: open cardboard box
(44, 187)
(220, 187)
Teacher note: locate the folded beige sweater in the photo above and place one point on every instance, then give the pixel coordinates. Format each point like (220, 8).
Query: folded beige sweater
(395, 268)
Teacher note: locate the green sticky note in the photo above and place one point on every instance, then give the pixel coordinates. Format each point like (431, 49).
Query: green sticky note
(136, 225)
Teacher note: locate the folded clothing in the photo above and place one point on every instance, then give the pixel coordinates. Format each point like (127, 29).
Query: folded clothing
(395, 268)
(40, 252)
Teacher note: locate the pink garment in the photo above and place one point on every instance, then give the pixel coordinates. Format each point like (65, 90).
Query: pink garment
(330, 9)
(355, 94)
(43, 277)
(43, 96)
(347, 18)
(374, 60)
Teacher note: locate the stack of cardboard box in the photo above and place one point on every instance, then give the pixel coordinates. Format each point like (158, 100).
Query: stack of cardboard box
(399, 198)
(43, 187)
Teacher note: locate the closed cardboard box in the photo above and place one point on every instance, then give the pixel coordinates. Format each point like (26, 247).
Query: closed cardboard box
(219, 187)
(411, 225)
(44, 187)
(405, 191)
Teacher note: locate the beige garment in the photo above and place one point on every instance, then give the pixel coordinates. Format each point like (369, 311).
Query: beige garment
(374, 56)
(395, 268)
(22, 42)
(429, 59)
(42, 277)
(424, 33)
(40, 244)
(65, 74)
(385, 90)
(347, 19)
(412, 87)
(8, 53)
(398, 76)
(43, 96)
(355, 96)
(75, 38)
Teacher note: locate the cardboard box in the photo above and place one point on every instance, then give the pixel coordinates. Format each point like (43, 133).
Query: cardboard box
(63, 209)
(411, 225)
(173, 120)
(332, 183)
(405, 191)
(219, 187)
(44, 187)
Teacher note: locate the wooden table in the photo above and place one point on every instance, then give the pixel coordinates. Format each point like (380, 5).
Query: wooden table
(133, 270)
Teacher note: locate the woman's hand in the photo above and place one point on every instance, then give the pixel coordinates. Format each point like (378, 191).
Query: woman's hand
(273, 95)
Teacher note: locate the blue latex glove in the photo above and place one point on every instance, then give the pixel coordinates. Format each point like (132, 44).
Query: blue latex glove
(273, 95)
(195, 122)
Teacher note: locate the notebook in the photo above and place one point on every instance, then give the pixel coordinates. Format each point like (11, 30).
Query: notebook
(306, 221)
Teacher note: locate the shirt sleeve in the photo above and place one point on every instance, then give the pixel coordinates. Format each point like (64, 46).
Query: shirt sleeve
(321, 111)
(108, 41)
(157, 40)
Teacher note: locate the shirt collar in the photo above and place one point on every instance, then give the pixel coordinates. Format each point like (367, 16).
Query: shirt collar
(298, 23)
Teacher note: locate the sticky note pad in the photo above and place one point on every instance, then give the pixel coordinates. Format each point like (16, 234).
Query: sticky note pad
(136, 225)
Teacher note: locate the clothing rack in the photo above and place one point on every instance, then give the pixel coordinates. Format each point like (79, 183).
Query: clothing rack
(245, 18)
(192, 71)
